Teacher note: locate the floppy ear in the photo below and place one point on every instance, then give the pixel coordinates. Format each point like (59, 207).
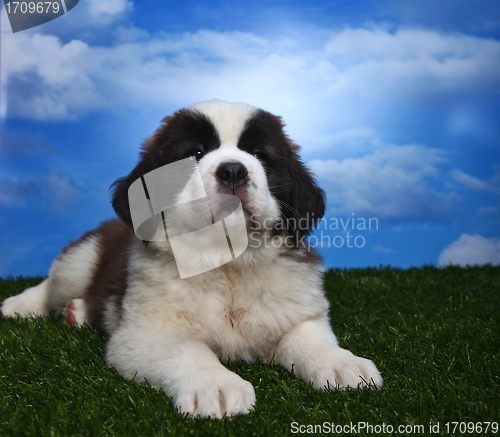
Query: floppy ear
(306, 199)
(120, 188)
(151, 157)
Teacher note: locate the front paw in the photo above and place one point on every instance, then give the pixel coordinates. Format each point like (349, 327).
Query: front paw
(340, 368)
(215, 394)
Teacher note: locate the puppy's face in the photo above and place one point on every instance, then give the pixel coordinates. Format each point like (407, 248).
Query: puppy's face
(242, 153)
(231, 167)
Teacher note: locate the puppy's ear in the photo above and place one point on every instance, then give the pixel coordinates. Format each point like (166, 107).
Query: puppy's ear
(120, 188)
(151, 157)
(306, 199)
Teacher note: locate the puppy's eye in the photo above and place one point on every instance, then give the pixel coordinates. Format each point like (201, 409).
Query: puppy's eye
(197, 154)
(259, 154)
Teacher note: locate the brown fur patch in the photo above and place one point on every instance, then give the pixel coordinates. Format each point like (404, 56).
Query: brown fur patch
(110, 278)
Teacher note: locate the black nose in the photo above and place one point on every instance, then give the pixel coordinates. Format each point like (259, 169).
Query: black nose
(232, 174)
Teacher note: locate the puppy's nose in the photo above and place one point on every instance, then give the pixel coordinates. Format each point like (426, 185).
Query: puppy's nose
(232, 174)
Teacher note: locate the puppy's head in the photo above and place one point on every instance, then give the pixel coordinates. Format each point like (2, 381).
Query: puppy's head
(240, 151)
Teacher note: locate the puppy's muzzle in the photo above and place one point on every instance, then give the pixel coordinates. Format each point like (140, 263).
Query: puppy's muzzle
(232, 174)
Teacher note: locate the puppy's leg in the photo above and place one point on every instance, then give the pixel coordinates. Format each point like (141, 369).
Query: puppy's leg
(69, 277)
(33, 301)
(185, 367)
(312, 351)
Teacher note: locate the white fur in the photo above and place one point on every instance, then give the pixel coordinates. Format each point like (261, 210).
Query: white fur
(173, 332)
(69, 276)
(71, 273)
(228, 118)
(258, 202)
(31, 302)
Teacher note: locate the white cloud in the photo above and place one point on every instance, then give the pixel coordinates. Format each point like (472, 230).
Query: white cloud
(95, 21)
(476, 184)
(98, 8)
(413, 65)
(327, 82)
(480, 16)
(62, 192)
(391, 182)
(489, 212)
(383, 250)
(329, 89)
(57, 89)
(56, 192)
(471, 250)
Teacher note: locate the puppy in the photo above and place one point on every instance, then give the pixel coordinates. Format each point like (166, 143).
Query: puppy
(212, 269)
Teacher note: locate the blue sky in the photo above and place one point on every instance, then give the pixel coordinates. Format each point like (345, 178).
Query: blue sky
(396, 105)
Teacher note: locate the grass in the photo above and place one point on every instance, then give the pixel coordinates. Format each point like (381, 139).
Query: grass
(433, 333)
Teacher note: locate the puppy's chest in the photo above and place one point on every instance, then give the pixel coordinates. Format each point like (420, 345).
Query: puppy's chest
(235, 315)
(252, 320)
(246, 316)
(244, 330)
(241, 314)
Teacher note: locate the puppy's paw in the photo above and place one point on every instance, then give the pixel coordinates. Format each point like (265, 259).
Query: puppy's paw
(30, 303)
(75, 313)
(215, 394)
(340, 368)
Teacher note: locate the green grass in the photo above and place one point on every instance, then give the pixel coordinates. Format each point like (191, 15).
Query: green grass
(433, 333)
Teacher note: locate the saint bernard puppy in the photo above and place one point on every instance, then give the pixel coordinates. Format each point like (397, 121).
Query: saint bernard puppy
(266, 303)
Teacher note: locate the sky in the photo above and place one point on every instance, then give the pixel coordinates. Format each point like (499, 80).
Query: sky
(396, 105)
